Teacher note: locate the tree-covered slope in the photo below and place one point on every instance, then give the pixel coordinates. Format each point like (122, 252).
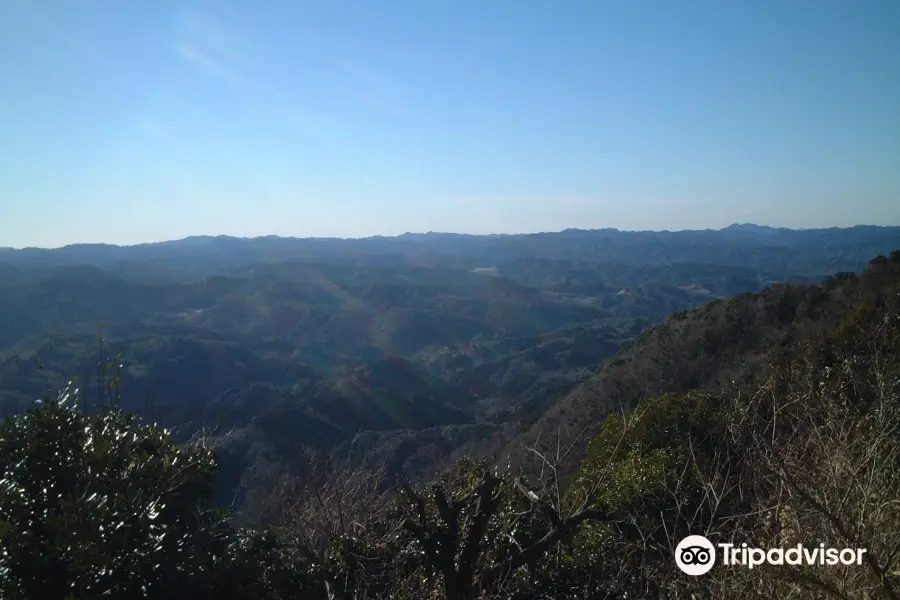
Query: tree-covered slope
(713, 346)
(785, 434)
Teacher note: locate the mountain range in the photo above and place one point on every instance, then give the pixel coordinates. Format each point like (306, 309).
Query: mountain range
(409, 350)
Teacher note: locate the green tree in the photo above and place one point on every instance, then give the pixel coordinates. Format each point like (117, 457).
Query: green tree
(98, 505)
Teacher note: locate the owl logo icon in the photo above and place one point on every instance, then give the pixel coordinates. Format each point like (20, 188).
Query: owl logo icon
(695, 555)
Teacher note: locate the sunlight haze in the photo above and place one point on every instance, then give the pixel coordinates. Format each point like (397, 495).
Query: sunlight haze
(128, 122)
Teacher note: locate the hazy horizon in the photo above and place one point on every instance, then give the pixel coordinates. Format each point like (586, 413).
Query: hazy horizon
(139, 122)
(420, 233)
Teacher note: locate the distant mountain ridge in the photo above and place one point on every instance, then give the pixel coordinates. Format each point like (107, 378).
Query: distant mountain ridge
(785, 252)
(433, 235)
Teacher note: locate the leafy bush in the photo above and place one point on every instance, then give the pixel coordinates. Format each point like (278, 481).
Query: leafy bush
(97, 505)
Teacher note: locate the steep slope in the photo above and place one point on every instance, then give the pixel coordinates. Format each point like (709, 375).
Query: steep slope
(709, 347)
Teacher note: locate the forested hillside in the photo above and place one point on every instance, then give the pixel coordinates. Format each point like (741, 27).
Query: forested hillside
(720, 344)
(770, 418)
(411, 350)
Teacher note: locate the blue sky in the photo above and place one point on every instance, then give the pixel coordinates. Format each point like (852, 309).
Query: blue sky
(129, 121)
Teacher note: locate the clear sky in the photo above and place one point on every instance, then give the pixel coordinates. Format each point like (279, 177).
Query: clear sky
(125, 121)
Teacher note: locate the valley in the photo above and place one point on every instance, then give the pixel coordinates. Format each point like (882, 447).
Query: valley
(407, 348)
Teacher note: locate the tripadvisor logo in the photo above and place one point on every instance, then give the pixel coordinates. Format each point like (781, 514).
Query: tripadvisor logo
(696, 555)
